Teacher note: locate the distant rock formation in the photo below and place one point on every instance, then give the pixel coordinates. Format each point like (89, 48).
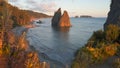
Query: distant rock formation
(56, 17)
(114, 14)
(76, 16)
(61, 21)
(86, 16)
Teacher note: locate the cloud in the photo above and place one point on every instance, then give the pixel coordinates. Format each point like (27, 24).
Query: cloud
(41, 5)
(50, 7)
(13, 0)
(30, 1)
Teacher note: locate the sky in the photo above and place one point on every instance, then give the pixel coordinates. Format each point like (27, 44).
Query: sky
(95, 8)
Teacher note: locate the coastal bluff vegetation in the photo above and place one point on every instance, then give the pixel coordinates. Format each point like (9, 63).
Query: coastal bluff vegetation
(15, 51)
(103, 48)
(101, 51)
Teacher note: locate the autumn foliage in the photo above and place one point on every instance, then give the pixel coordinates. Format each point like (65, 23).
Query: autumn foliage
(101, 46)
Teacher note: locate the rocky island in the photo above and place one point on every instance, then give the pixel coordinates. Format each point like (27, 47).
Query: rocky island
(86, 16)
(76, 16)
(59, 20)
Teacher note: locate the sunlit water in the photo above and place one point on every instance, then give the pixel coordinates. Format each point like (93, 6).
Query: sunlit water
(57, 46)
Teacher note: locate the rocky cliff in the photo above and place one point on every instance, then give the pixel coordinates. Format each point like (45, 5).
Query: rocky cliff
(61, 21)
(114, 14)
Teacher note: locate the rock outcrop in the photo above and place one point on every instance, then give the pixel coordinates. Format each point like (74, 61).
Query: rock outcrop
(56, 17)
(59, 20)
(64, 20)
(114, 14)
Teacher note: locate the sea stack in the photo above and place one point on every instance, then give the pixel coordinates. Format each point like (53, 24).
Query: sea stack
(114, 14)
(61, 21)
(64, 20)
(56, 17)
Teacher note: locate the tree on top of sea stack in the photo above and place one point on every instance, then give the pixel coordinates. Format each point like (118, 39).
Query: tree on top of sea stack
(65, 20)
(61, 21)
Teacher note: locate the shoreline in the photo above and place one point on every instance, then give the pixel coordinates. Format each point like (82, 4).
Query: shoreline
(30, 26)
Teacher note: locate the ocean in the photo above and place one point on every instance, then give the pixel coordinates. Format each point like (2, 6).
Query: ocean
(58, 46)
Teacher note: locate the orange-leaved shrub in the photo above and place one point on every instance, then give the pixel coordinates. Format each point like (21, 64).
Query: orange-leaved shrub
(112, 33)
